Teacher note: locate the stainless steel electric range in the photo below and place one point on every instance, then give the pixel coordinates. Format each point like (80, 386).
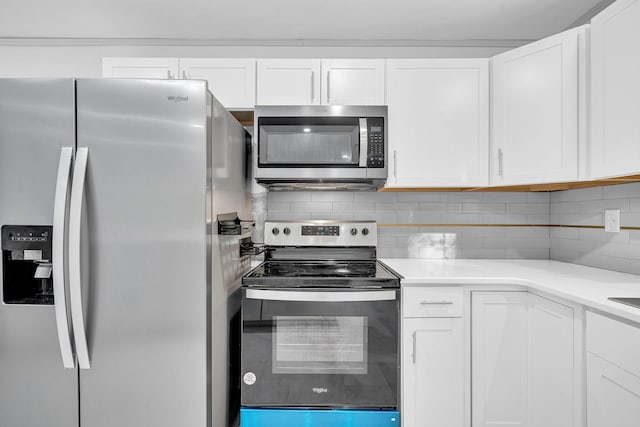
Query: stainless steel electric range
(320, 329)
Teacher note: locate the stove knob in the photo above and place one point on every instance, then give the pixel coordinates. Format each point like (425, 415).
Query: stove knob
(275, 231)
(286, 231)
(354, 231)
(365, 231)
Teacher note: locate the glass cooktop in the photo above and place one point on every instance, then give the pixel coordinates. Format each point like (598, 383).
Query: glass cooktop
(309, 273)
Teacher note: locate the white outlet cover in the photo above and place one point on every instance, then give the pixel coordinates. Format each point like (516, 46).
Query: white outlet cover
(612, 220)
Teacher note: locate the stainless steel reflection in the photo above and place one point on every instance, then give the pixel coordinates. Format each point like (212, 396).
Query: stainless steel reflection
(36, 122)
(330, 296)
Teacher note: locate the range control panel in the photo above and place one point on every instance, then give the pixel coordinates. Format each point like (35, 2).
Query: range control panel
(375, 135)
(321, 233)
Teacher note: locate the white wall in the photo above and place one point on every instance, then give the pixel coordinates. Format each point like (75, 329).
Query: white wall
(86, 61)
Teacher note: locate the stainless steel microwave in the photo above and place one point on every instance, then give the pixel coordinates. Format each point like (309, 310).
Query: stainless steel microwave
(320, 147)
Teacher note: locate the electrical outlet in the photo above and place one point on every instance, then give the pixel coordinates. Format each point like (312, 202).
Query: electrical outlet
(612, 220)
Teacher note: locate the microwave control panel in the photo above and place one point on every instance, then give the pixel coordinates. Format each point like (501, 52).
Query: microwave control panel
(375, 131)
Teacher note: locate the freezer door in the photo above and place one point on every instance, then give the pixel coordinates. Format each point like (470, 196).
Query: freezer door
(144, 250)
(36, 121)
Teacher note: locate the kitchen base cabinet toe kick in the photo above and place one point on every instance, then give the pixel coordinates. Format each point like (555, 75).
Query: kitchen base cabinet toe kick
(318, 418)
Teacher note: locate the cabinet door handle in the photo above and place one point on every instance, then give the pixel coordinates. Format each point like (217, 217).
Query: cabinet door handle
(500, 162)
(329, 87)
(395, 166)
(313, 89)
(436, 302)
(413, 354)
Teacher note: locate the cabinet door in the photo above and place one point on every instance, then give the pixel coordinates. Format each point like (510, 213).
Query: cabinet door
(231, 81)
(353, 81)
(499, 382)
(288, 81)
(432, 375)
(535, 112)
(551, 363)
(613, 395)
(140, 68)
(439, 122)
(615, 91)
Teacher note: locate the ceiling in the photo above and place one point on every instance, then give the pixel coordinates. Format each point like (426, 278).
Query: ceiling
(295, 21)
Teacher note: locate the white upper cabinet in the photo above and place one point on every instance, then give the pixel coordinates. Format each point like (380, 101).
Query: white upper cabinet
(535, 111)
(141, 68)
(288, 82)
(353, 81)
(438, 122)
(615, 91)
(232, 81)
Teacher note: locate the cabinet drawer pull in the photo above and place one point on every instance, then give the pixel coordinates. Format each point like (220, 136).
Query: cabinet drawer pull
(436, 302)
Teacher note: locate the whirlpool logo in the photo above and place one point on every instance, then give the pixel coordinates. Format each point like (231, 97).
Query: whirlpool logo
(319, 390)
(178, 98)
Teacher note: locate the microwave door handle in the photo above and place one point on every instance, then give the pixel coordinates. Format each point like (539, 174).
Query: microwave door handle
(331, 296)
(75, 285)
(364, 143)
(57, 257)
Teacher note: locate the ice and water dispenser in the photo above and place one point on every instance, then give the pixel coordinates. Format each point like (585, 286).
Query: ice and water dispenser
(26, 265)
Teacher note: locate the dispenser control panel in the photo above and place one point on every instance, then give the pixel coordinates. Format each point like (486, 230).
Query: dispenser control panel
(27, 264)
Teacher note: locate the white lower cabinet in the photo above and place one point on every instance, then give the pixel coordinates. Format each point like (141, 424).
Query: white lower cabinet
(523, 361)
(433, 381)
(613, 373)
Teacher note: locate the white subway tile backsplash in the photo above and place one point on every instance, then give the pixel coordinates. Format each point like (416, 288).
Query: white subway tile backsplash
(311, 207)
(564, 233)
(528, 208)
(528, 253)
(619, 251)
(504, 197)
(418, 197)
(622, 191)
(601, 205)
(289, 196)
(354, 206)
(540, 196)
(332, 196)
(634, 267)
(496, 232)
(488, 208)
(629, 219)
(441, 207)
(399, 206)
(375, 197)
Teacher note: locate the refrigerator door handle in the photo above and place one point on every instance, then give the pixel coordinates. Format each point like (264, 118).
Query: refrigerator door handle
(75, 285)
(58, 260)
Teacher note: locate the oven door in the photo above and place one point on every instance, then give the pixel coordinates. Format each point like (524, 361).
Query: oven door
(320, 348)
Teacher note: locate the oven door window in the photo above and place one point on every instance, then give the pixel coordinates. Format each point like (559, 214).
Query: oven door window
(320, 345)
(320, 142)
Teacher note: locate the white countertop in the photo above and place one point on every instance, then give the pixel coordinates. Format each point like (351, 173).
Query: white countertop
(584, 285)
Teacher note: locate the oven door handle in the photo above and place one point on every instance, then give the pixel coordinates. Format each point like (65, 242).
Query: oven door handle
(320, 296)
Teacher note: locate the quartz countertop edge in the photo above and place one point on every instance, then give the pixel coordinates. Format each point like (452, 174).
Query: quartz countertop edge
(588, 286)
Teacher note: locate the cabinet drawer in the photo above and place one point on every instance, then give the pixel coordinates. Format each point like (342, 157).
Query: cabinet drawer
(432, 302)
(614, 341)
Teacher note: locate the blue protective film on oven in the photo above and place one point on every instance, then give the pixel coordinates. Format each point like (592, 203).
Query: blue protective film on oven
(317, 418)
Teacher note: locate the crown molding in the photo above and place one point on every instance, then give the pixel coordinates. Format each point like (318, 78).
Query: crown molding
(116, 41)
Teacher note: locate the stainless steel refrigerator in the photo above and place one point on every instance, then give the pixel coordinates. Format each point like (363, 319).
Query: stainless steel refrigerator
(116, 291)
